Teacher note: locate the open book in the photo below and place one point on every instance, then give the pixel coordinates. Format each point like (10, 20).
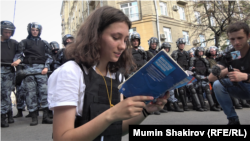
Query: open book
(156, 77)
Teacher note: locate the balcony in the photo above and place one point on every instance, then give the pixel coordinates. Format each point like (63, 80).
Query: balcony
(133, 17)
(182, 2)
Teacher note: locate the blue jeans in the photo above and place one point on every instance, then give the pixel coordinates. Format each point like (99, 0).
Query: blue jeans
(223, 95)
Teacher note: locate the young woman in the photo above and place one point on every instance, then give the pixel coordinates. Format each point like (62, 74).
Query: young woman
(83, 93)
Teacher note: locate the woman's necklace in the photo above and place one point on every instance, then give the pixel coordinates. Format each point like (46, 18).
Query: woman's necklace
(109, 96)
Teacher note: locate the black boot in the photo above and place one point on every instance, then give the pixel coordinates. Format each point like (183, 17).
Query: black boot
(236, 103)
(10, 117)
(196, 103)
(211, 103)
(157, 113)
(19, 113)
(184, 102)
(168, 107)
(177, 108)
(202, 102)
(46, 119)
(244, 103)
(34, 118)
(233, 121)
(163, 111)
(50, 114)
(4, 123)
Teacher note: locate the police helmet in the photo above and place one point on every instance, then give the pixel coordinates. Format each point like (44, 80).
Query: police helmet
(55, 46)
(198, 49)
(153, 40)
(7, 25)
(207, 52)
(65, 37)
(34, 25)
(180, 41)
(135, 35)
(165, 45)
(191, 51)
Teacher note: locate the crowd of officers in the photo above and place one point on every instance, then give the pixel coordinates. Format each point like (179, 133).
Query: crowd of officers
(26, 66)
(196, 61)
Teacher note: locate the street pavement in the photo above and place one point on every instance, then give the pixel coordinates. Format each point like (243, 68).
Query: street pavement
(22, 131)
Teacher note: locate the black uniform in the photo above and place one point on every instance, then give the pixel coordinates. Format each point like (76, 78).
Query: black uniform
(201, 71)
(182, 58)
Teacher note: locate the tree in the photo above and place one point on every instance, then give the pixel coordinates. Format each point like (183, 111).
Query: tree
(215, 16)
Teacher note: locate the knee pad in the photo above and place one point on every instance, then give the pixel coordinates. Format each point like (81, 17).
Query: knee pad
(181, 91)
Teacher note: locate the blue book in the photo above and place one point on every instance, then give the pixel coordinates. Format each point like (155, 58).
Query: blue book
(156, 77)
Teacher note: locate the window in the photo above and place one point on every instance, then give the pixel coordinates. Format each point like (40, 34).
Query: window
(202, 39)
(131, 10)
(186, 37)
(131, 30)
(163, 7)
(182, 13)
(167, 33)
(197, 16)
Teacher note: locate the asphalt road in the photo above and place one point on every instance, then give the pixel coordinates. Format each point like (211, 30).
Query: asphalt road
(22, 131)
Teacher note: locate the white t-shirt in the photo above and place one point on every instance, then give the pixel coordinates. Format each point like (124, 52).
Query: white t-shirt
(66, 86)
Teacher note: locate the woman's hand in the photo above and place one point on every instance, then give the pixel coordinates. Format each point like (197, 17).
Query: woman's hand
(158, 105)
(128, 108)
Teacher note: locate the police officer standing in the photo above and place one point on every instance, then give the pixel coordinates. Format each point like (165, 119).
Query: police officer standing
(167, 47)
(201, 69)
(8, 51)
(37, 59)
(182, 58)
(66, 40)
(139, 56)
(55, 47)
(153, 43)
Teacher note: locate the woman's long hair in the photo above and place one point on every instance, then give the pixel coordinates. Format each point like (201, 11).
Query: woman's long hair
(85, 48)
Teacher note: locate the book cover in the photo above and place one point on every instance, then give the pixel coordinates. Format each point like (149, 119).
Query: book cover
(156, 77)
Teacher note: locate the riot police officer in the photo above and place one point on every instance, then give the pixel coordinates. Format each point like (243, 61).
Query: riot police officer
(8, 51)
(153, 43)
(37, 59)
(171, 100)
(66, 40)
(166, 46)
(55, 47)
(201, 69)
(182, 58)
(139, 56)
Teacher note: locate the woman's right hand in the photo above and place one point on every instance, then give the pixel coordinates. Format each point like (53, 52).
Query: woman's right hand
(128, 108)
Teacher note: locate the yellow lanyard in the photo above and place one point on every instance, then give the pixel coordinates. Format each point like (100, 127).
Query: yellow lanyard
(109, 96)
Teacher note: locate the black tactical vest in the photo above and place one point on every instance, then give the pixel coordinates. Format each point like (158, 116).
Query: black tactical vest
(200, 67)
(96, 101)
(54, 60)
(64, 59)
(138, 58)
(182, 60)
(34, 52)
(8, 50)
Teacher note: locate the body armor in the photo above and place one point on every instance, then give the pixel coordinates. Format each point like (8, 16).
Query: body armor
(96, 101)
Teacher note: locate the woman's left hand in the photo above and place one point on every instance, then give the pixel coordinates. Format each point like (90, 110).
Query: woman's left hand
(159, 104)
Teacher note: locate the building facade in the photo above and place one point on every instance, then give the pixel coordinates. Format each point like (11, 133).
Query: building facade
(166, 20)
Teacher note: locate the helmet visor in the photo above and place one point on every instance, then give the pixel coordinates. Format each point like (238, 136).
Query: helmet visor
(8, 27)
(36, 26)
